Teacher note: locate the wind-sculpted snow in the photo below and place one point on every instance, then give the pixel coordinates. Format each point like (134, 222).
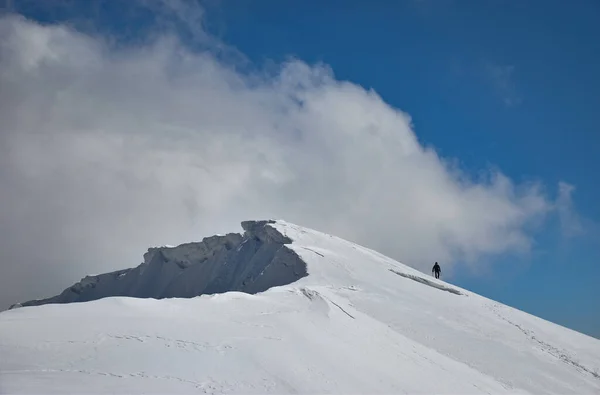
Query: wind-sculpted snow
(430, 283)
(251, 263)
(356, 322)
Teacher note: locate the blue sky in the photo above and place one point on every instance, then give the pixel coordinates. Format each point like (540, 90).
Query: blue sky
(512, 85)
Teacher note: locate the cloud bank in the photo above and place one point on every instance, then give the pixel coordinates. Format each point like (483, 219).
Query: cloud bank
(105, 151)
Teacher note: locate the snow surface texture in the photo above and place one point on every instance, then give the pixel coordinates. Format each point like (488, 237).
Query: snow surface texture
(359, 322)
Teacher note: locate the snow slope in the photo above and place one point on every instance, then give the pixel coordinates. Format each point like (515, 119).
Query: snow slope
(358, 323)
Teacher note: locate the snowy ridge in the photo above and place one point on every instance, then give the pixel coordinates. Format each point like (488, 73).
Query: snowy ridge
(359, 322)
(252, 262)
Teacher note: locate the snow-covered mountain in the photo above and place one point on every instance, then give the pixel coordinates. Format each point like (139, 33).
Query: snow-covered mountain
(306, 313)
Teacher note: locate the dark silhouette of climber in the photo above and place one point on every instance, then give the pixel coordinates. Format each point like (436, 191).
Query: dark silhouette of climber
(436, 269)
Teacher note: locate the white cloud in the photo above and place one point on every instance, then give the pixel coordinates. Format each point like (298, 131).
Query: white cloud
(569, 220)
(104, 152)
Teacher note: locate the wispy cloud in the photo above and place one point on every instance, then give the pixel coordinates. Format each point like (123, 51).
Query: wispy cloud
(501, 78)
(569, 219)
(105, 151)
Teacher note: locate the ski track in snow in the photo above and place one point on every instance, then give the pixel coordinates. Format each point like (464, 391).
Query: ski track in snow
(117, 375)
(206, 387)
(562, 355)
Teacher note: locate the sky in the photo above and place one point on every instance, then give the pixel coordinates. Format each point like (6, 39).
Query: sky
(459, 132)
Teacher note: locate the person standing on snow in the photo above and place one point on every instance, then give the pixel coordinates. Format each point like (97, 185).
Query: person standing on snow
(436, 269)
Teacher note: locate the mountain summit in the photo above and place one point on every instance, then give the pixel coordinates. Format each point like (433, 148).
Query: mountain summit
(284, 309)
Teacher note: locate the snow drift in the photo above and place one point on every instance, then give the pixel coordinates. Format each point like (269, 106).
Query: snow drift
(339, 318)
(252, 262)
